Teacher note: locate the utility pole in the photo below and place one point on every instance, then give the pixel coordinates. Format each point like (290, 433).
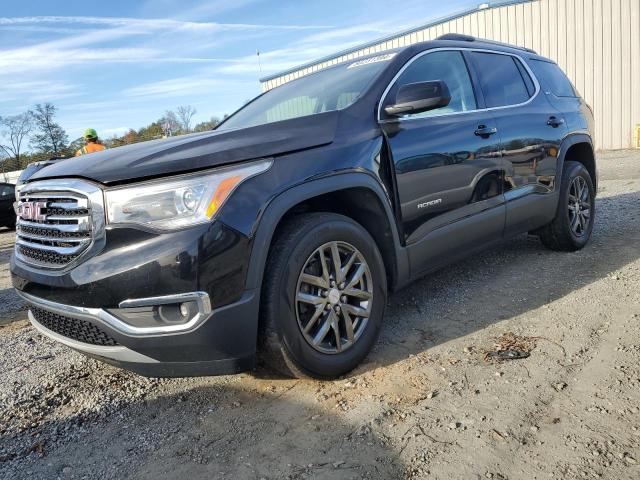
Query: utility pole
(259, 66)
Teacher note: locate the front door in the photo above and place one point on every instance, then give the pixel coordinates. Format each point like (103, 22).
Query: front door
(448, 165)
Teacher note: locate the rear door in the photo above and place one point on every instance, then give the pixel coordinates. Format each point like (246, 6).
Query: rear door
(559, 90)
(530, 131)
(447, 164)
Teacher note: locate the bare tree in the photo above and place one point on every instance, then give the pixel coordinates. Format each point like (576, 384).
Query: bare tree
(185, 115)
(170, 124)
(14, 130)
(50, 137)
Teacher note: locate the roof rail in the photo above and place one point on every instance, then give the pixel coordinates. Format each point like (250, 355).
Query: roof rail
(458, 37)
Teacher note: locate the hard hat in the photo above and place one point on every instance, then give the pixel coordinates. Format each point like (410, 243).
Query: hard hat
(90, 133)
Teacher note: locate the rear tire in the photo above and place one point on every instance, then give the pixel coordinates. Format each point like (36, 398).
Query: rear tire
(321, 322)
(571, 229)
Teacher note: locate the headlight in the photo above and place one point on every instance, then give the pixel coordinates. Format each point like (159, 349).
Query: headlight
(180, 201)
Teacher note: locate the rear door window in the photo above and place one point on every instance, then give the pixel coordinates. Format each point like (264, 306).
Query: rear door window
(502, 79)
(553, 78)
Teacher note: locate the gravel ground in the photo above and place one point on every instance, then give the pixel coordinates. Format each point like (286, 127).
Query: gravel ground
(425, 405)
(10, 303)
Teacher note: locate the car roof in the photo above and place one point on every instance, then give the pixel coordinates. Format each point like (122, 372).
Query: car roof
(455, 40)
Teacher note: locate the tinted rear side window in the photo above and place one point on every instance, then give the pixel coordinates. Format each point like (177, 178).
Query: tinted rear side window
(553, 78)
(502, 82)
(531, 88)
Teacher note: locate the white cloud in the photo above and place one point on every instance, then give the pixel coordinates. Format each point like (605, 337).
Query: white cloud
(36, 90)
(74, 49)
(307, 48)
(187, 85)
(37, 29)
(356, 31)
(151, 24)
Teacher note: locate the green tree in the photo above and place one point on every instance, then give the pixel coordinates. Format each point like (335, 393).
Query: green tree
(50, 137)
(150, 132)
(208, 125)
(76, 145)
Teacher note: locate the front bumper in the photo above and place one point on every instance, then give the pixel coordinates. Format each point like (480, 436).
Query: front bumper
(213, 345)
(138, 269)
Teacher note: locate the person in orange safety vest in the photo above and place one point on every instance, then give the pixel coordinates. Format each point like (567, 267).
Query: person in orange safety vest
(91, 143)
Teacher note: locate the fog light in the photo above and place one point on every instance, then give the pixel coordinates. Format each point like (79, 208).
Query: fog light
(163, 314)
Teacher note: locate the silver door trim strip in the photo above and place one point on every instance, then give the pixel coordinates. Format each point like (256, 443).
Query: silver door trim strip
(456, 49)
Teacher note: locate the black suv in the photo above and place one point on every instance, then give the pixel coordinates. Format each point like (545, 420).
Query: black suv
(280, 234)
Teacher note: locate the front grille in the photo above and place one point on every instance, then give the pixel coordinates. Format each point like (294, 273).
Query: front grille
(74, 328)
(67, 213)
(53, 228)
(45, 257)
(43, 232)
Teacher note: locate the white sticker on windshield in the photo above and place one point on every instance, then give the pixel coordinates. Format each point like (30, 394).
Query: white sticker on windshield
(367, 61)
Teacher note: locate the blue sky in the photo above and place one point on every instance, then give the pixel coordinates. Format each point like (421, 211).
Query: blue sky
(114, 65)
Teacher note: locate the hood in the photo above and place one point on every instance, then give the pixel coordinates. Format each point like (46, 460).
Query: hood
(34, 167)
(197, 151)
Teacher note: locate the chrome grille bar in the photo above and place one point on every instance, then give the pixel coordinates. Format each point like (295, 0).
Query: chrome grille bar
(61, 227)
(57, 222)
(50, 238)
(84, 219)
(61, 250)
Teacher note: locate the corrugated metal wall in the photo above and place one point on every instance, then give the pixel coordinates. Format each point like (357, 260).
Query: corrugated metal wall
(596, 42)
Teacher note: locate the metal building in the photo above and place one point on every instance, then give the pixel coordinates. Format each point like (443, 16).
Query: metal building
(596, 42)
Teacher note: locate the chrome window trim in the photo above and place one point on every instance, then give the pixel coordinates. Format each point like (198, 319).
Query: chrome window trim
(455, 49)
(101, 316)
(57, 188)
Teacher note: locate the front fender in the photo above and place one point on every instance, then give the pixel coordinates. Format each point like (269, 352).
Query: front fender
(275, 210)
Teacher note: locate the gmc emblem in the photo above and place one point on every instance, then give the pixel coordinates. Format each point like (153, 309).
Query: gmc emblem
(32, 211)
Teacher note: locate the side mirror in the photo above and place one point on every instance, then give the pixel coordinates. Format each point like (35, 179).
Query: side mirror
(419, 97)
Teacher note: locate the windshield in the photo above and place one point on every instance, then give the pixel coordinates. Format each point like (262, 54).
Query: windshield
(331, 89)
(28, 172)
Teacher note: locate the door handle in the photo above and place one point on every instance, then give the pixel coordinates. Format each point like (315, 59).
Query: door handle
(485, 132)
(555, 122)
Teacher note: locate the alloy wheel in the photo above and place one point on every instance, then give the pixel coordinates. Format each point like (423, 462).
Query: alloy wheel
(334, 297)
(579, 207)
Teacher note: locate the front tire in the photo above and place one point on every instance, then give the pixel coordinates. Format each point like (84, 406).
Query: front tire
(571, 229)
(323, 298)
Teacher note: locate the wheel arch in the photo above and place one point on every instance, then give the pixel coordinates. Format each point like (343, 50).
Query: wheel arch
(579, 148)
(356, 195)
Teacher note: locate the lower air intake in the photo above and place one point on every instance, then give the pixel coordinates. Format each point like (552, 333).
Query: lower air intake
(74, 328)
